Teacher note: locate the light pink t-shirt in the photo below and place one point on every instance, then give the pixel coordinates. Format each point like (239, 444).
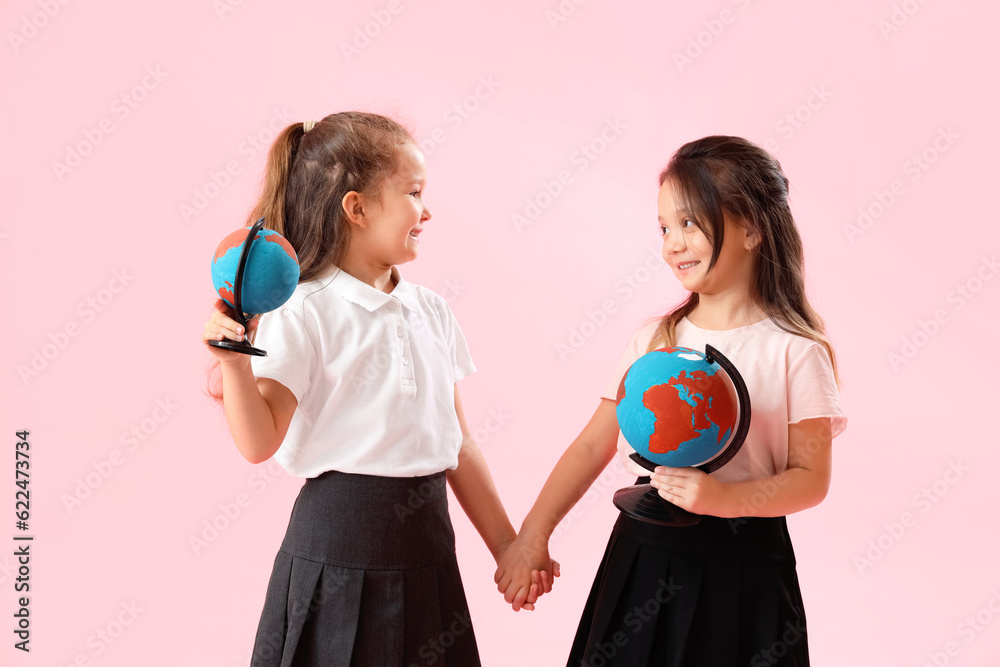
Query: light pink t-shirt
(789, 378)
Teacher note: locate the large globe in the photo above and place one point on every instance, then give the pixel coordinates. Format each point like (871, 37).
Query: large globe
(270, 275)
(675, 408)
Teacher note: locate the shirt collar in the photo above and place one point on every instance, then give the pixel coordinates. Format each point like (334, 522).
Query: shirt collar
(370, 298)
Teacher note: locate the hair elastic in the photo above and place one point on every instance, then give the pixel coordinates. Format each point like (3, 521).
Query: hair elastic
(308, 125)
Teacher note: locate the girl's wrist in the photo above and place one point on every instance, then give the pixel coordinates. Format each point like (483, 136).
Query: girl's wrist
(238, 363)
(533, 534)
(732, 507)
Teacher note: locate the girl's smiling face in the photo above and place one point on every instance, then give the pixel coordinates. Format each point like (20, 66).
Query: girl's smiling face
(396, 220)
(688, 250)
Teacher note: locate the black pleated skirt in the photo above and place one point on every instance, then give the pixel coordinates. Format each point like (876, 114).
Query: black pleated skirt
(722, 592)
(365, 576)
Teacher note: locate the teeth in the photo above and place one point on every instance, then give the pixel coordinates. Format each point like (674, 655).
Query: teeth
(686, 265)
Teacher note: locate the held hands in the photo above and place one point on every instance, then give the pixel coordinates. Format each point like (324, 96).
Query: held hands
(692, 490)
(222, 325)
(525, 572)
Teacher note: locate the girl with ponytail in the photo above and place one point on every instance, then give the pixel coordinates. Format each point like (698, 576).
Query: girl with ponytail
(358, 396)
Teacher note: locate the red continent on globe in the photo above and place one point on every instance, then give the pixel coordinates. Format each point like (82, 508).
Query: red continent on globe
(236, 239)
(677, 421)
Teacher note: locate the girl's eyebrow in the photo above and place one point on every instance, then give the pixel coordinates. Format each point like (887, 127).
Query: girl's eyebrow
(679, 211)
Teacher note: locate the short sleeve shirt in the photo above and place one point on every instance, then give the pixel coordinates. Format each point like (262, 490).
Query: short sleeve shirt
(789, 378)
(374, 375)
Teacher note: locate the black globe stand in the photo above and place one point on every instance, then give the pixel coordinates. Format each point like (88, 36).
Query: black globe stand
(644, 503)
(242, 346)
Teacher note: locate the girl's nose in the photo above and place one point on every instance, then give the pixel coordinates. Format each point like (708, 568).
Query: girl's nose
(673, 242)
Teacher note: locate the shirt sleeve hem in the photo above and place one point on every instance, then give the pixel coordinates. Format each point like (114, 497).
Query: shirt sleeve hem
(837, 422)
(284, 381)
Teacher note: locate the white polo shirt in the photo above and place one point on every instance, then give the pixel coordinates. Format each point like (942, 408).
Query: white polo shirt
(374, 375)
(789, 378)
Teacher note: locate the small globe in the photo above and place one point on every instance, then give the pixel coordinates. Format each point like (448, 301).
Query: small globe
(675, 408)
(269, 277)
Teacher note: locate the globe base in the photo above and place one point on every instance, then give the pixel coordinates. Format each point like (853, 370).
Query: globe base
(242, 347)
(643, 503)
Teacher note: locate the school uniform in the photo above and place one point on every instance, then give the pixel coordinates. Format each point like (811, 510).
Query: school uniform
(366, 573)
(723, 591)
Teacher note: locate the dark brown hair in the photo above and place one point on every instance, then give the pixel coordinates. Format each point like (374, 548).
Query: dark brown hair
(306, 178)
(720, 174)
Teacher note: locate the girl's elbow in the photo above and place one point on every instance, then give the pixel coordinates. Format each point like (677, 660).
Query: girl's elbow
(258, 455)
(819, 492)
(468, 451)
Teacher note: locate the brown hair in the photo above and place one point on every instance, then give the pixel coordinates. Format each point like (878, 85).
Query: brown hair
(730, 174)
(306, 178)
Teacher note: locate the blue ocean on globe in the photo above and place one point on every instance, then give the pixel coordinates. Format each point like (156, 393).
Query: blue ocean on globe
(270, 275)
(675, 408)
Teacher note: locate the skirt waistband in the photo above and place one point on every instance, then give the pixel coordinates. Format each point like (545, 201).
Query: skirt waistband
(371, 522)
(742, 538)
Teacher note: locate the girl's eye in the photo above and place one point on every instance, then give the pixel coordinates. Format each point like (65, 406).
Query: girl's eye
(415, 193)
(663, 230)
(685, 222)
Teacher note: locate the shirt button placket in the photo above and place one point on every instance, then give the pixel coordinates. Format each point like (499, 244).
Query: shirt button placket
(407, 379)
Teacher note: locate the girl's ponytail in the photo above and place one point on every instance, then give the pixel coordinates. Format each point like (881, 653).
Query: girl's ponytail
(274, 185)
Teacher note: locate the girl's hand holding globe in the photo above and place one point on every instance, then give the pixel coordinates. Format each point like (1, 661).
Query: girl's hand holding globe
(253, 269)
(693, 490)
(222, 325)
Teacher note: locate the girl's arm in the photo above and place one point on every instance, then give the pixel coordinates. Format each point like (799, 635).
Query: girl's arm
(803, 485)
(258, 411)
(476, 493)
(576, 470)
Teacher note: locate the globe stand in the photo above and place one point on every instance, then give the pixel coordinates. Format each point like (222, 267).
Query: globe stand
(242, 346)
(644, 503)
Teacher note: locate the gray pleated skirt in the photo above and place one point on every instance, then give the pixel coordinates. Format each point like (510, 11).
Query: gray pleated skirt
(366, 576)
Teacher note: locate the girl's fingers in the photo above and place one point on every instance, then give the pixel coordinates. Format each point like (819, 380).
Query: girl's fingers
(537, 584)
(533, 594)
(520, 597)
(222, 326)
(509, 593)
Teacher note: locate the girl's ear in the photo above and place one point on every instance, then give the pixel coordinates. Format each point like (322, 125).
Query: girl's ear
(354, 208)
(751, 238)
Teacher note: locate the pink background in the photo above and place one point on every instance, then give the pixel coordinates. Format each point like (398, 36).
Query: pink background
(111, 286)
